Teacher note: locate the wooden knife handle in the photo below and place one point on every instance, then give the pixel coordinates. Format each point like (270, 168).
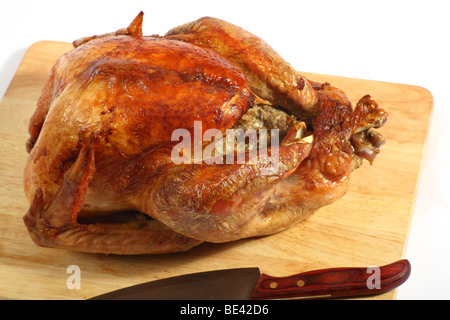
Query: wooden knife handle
(334, 282)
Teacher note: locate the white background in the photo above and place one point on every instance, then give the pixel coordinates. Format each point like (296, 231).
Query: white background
(394, 41)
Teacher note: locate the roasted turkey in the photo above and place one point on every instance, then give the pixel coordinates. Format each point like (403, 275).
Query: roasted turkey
(101, 175)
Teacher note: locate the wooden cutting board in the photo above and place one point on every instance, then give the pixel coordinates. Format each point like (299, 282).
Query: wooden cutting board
(368, 226)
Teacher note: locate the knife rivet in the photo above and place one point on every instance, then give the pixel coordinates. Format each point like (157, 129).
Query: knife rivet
(273, 285)
(300, 283)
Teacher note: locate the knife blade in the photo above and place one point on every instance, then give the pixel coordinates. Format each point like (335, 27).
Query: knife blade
(251, 284)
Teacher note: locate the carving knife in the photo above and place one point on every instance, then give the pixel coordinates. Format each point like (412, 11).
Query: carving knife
(250, 284)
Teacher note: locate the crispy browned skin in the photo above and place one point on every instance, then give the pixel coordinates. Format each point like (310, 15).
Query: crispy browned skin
(56, 225)
(324, 176)
(269, 75)
(100, 177)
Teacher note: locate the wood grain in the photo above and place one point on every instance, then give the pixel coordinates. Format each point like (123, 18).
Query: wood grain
(368, 226)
